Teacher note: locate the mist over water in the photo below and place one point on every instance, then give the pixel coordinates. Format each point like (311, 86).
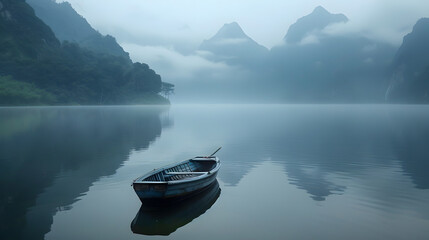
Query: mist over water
(298, 171)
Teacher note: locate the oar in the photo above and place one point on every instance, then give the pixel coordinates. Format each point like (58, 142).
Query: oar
(215, 151)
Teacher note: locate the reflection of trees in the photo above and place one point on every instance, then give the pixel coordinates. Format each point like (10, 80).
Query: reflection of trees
(91, 142)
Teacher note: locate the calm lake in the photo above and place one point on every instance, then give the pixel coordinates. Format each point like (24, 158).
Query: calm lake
(288, 171)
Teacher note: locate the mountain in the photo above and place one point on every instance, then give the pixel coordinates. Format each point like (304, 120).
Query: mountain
(414, 51)
(314, 22)
(21, 34)
(36, 69)
(231, 45)
(23, 38)
(314, 66)
(68, 25)
(410, 68)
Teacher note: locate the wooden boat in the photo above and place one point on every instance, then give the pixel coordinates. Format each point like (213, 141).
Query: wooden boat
(177, 180)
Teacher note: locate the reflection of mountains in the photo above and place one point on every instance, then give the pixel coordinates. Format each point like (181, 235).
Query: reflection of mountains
(313, 142)
(72, 146)
(164, 220)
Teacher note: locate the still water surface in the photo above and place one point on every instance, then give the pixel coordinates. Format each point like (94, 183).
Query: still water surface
(288, 171)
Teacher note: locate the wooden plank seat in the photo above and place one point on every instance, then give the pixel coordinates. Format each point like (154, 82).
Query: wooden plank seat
(185, 173)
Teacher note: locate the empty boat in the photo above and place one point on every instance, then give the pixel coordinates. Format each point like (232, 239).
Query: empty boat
(177, 180)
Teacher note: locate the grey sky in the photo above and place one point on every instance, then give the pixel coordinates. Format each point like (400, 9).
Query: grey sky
(164, 33)
(265, 21)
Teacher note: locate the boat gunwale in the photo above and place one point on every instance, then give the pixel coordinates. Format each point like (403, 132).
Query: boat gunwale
(185, 180)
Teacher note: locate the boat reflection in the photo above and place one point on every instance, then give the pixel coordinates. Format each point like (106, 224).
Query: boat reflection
(165, 219)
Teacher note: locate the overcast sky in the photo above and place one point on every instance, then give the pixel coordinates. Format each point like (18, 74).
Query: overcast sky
(165, 21)
(163, 33)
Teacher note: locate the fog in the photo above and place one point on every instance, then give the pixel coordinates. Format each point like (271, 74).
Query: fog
(168, 34)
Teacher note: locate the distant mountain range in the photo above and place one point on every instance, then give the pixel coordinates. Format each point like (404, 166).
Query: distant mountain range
(313, 65)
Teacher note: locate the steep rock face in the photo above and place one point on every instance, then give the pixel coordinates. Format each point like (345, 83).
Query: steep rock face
(68, 25)
(414, 51)
(316, 21)
(410, 68)
(232, 45)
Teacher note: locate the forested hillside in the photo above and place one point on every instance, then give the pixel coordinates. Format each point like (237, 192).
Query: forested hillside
(35, 68)
(69, 26)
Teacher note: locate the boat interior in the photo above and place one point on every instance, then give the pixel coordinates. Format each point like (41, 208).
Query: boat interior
(188, 169)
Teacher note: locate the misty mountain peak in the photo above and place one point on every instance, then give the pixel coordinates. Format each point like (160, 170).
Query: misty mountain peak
(315, 21)
(421, 26)
(320, 10)
(230, 31)
(230, 44)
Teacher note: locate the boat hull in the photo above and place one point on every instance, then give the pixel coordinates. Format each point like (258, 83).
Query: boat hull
(172, 191)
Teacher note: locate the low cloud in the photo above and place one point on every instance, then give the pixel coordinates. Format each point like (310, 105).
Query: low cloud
(310, 39)
(171, 64)
(369, 48)
(385, 21)
(381, 33)
(368, 60)
(192, 74)
(231, 41)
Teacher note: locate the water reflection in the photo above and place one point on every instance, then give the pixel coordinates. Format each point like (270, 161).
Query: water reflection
(312, 142)
(333, 140)
(329, 168)
(354, 143)
(164, 220)
(410, 138)
(51, 156)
